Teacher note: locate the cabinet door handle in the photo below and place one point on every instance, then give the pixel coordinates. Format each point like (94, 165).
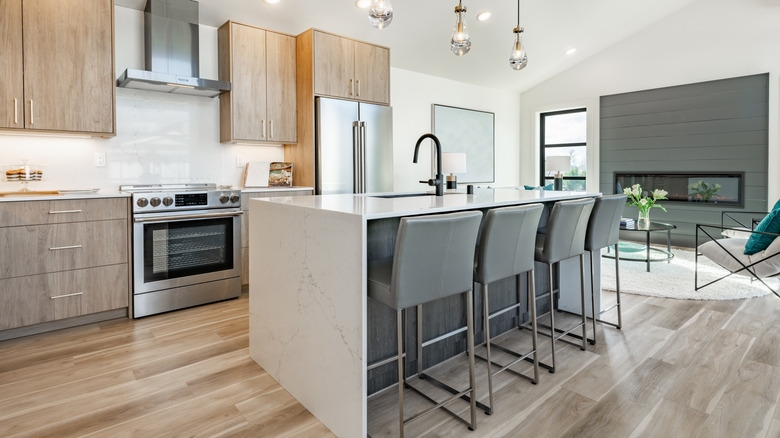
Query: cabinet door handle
(271, 127)
(66, 295)
(351, 87)
(358, 87)
(32, 112)
(263, 124)
(16, 112)
(57, 248)
(64, 211)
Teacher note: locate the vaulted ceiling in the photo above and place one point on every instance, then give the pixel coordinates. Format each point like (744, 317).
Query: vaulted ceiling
(420, 32)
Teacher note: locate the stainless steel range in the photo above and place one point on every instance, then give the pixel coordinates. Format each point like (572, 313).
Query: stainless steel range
(186, 246)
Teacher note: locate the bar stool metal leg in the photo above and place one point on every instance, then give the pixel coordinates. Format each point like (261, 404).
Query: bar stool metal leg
(552, 319)
(401, 379)
(619, 324)
(470, 346)
(593, 298)
(486, 328)
(582, 298)
(532, 309)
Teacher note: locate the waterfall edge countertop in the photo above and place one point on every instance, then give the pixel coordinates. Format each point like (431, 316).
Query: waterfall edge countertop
(387, 205)
(308, 306)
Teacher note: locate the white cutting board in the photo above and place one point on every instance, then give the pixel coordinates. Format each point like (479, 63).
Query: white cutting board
(256, 174)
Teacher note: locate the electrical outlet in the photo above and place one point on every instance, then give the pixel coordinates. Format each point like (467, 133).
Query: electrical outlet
(240, 161)
(100, 159)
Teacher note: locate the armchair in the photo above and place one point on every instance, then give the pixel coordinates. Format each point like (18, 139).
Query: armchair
(729, 254)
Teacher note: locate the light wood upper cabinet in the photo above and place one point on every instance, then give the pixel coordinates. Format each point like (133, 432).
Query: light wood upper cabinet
(11, 65)
(260, 64)
(372, 73)
(281, 102)
(68, 68)
(350, 69)
(334, 65)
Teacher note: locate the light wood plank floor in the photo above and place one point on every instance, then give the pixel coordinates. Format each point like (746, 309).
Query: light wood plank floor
(677, 369)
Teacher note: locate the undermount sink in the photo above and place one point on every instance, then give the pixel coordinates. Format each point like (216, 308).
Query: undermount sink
(406, 195)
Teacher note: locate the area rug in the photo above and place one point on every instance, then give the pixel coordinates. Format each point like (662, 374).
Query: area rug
(676, 279)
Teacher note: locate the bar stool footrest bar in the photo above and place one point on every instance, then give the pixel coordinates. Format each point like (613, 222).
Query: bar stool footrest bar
(451, 390)
(437, 405)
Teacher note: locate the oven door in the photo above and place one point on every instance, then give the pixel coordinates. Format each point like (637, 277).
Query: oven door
(174, 250)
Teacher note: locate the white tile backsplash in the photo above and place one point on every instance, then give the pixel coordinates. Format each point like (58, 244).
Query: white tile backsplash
(161, 138)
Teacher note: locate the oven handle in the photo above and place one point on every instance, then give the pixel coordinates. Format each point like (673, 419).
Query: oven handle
(167, 218)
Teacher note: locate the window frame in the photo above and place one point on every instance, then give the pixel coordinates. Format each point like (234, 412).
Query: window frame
(543, 146)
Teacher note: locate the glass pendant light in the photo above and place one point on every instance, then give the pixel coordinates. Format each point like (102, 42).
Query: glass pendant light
(380, 14)
(518, 59)
(460, 42)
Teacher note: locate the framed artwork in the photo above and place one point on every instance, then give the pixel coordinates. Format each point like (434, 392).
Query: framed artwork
(471, 132)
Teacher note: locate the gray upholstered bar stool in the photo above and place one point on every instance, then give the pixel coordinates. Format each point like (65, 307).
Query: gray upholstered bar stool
(564, 239)
(433, 259)
(603, 231)
(506, 249)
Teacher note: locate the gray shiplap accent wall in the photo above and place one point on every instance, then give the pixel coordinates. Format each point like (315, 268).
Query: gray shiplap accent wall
(708, 126)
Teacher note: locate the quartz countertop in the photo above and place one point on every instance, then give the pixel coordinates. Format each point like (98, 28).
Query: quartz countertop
(273, 189)
(378, 206)
(67, 195)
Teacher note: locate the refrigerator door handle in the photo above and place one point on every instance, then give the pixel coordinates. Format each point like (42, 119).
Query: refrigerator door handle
(362, 157)
(355, 157)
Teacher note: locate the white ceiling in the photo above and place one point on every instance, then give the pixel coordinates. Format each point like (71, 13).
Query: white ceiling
(420, 33)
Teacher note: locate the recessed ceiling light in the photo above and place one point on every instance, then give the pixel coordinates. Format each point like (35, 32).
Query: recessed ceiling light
(484, 16)
(570, 51)
(271, 2)
(363, 4)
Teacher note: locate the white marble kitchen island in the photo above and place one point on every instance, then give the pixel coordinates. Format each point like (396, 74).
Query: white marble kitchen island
(308, 301)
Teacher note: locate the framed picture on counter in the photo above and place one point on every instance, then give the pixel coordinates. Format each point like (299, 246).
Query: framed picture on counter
(471, 132)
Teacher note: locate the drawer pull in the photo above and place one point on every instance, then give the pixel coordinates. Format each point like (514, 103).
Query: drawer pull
(64, 211)
(16, 113)
(57, 248)
(67, 295)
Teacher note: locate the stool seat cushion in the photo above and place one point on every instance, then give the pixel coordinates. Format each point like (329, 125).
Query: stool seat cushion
(380, 275)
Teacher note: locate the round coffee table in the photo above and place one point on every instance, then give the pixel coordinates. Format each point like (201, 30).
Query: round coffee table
(628, 249)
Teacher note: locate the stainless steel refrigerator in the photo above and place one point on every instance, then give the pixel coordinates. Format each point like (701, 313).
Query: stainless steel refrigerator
(354, 147)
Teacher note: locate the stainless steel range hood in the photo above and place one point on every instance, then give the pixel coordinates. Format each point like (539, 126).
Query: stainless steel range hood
(172, 52)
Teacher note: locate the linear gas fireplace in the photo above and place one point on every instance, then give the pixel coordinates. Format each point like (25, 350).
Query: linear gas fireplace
(705, 188)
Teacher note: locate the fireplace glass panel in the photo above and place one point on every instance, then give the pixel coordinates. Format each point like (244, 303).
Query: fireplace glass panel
(699, 188)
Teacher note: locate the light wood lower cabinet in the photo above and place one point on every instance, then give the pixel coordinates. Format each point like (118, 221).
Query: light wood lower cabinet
(38, 249)
(48, 297)
(62, 259)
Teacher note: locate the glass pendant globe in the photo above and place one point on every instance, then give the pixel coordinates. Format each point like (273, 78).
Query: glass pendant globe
(518, 59)
(380, 14)
(461, 41)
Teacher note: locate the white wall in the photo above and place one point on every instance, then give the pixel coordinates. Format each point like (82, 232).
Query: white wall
(412, 95)
(708, 40)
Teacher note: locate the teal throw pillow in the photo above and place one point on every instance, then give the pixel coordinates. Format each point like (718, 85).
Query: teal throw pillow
(548, 187)
(777, 205)
(527, 187)
(759, 242)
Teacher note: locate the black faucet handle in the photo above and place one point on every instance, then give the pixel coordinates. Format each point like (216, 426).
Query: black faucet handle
(432, 182)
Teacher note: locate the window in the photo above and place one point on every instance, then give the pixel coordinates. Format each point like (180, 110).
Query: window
(564, 133)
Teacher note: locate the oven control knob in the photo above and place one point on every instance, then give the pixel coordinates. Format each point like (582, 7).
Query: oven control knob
(142, 202)
(167, 201)
(235, 197)
(155, 201)
(224, 198)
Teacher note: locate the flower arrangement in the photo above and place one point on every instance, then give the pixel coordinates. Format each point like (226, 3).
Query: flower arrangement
(703, 191)
(644, 202)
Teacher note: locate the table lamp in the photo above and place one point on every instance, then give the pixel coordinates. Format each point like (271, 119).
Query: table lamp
(559, 164)
(453, 162)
